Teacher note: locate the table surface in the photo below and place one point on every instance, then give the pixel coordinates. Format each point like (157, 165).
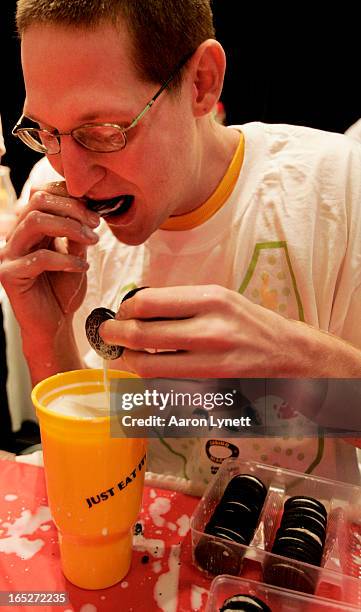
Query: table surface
(162, 576)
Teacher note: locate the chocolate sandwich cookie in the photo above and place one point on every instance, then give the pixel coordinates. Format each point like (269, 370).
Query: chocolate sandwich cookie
(243, 533)
(246, 486)
(299, 532)
(306, 511)
(110, 206)
(311, 541)
(305, 501)
(93, 323)
(218, 557)
(299, 544)
(301, 521)
(297, 549)
(228, 534)
(234, 513)
(287, 575)
(306, 521)
(244, 603)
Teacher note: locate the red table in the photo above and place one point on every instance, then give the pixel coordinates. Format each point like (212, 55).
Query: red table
(162, 576)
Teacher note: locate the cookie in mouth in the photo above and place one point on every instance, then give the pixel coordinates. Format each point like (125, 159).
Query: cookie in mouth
(112, 206)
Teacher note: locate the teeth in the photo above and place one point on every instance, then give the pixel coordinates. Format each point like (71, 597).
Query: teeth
(108, 207)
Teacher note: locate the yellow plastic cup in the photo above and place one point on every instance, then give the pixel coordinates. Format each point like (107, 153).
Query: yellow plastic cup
(94, 482)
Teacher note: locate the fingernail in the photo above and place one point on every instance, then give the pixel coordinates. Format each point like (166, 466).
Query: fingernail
(93, 220)
(89, 233)
(82, 263)
(77, 264)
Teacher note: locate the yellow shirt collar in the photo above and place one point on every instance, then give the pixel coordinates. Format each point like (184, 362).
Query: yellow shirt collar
(215, 201)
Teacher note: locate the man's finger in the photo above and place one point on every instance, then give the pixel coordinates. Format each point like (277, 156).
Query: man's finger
(176, 302)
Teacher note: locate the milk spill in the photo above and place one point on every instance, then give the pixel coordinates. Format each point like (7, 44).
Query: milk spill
(166, 587)
(184, 525)
(22, 547)
(152, 546)
(157, 567)
(160, 506)
(196, 596)
(10, 497)
(27, 524)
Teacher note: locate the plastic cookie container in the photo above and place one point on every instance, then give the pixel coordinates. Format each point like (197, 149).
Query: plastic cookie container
(296, 531)
(276, 599)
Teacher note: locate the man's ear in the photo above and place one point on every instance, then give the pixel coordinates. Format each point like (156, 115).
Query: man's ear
(208, 66)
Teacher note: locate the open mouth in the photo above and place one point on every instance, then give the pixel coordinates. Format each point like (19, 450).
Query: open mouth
(111, 207)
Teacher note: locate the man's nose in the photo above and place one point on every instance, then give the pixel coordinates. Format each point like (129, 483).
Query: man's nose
(79, 168)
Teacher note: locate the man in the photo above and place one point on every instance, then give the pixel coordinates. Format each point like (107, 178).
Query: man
(248, 237)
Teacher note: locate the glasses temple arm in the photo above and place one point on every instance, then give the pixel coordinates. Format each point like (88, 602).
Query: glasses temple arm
(16, 126)
(162, 88)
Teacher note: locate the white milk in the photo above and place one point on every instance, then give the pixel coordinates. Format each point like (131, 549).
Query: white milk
(87, 405)
(83, 406)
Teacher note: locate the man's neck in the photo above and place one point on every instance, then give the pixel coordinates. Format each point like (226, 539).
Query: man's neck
(220, 145)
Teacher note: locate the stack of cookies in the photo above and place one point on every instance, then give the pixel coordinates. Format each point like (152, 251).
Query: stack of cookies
(302, 532)
(237, 514)
(300, 537)
(234, 520)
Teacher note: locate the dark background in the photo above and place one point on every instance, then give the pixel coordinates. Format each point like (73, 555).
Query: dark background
(287, 66)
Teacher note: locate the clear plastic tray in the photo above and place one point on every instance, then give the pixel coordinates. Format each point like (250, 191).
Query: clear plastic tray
(337, 577)
(279, 600)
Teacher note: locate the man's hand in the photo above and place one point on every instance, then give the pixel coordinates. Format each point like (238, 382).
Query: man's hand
(217, 332)
(43, 265)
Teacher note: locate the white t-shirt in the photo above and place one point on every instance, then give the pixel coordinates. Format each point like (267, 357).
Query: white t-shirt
(354, 131)
(289, 239)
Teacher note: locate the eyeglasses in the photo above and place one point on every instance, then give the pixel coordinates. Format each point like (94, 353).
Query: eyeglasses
(98, 137)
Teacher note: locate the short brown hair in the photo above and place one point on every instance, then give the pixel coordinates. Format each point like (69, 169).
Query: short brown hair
(162, 31)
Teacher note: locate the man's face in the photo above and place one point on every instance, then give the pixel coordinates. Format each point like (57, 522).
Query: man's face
(77, 76)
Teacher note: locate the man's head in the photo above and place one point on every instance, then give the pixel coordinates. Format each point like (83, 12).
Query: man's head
(97, 63)
(162, 31)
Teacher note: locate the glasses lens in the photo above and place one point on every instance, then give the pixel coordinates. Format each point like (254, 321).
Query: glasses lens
(39, 140)
(100, 138)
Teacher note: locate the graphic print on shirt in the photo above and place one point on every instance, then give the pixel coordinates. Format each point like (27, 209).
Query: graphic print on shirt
(270, 280)
(271, 283)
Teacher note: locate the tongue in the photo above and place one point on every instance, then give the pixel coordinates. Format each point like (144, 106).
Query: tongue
(110, 206)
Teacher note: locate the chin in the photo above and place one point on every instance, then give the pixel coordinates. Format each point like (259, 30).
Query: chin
(127, 236)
